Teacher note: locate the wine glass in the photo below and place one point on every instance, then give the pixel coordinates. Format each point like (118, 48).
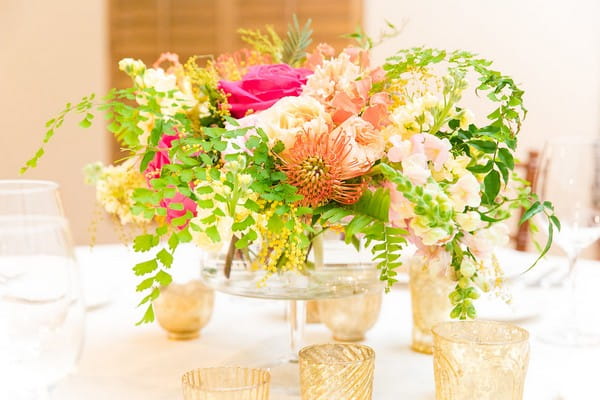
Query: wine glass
(41, 312)
(569, 170)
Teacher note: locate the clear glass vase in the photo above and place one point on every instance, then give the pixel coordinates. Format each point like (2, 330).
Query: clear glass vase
(336, 270)
(429, 291)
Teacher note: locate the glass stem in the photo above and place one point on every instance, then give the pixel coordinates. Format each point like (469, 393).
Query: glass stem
(571, 292)
(296, 320)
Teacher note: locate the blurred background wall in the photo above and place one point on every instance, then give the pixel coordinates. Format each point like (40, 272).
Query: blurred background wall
(55, 51)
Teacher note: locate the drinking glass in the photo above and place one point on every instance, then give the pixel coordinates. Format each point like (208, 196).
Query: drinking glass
(568, 178)
(226, 383)
(41, 312)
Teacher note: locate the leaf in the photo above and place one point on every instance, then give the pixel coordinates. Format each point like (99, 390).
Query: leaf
(145, 242)
(173, 241)
(145, 284)
(481, 168)
(356, 225)
(546, 248)
(85, 123)
(534, 209)
(165, 257)
(555, 221)
(506, 157)
(145, 267)
(213, 233)
(148, 316)
(503, 170)
(491, 184)
(163, 278)
(484, 145)
(149, 156)
(296, 42)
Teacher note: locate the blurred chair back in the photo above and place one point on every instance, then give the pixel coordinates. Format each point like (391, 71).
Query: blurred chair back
(531, 169)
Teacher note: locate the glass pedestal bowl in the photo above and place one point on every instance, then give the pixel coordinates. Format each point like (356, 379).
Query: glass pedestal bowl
(343, 272)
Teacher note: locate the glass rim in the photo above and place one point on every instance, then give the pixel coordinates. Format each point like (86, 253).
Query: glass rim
(370, 353)
(37, 185)
(522, 337)
(264, 373)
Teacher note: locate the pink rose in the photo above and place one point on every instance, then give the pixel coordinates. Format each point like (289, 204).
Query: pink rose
(262, 86)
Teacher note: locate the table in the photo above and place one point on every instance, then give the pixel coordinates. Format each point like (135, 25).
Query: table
(122, 361)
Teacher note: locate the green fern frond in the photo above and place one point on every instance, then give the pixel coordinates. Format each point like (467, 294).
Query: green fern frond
(269, 43)
(374, 204)
(370, 220)
(296, 42)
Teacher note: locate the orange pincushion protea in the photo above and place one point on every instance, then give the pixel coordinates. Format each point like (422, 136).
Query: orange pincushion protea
(320, 165)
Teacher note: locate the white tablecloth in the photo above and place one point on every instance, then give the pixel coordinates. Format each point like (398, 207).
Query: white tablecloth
(122, 361)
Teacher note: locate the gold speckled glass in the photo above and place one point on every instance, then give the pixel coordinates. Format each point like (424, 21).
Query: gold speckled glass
(430, 305)
(349, 318)
(337, 371)
(226, 383)
(183, 309)
(481, 360)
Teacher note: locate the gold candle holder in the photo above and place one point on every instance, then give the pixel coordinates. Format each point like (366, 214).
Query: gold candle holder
(349, 318)
(184, 309)
(430, 305)
(337, 372)
(226, 383)
(480, 360)
(312, 312)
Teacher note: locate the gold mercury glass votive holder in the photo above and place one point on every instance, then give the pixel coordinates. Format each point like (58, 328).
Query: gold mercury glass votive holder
(226, 383)
(430, 305)
(184, 309)
(349, 318)
(481, 360)
(337, 372)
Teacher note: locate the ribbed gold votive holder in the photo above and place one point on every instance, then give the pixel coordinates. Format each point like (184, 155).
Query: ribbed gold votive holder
(226, 383)
(337, 371)
(349, 318)
(481, 360)
(183, 309)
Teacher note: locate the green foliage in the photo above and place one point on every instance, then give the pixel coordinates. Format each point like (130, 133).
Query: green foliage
(370, 218)
(296, 42)
(269, 43)
(366, 42)
(82, 107)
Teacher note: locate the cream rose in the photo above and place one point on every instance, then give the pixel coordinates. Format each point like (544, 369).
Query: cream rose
(291, 116)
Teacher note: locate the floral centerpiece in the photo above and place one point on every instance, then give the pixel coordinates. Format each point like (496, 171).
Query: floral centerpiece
(276, 143)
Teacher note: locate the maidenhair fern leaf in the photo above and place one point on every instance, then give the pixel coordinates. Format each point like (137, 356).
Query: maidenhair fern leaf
(296, 42)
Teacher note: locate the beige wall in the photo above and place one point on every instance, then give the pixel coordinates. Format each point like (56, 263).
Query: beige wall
(52, 52)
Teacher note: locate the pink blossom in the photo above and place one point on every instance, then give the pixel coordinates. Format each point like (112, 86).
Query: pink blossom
(437, 150)
(401, 209)
(465, 192)
(314, 59)
(414, 167)
(377, 113)
(400, 150)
